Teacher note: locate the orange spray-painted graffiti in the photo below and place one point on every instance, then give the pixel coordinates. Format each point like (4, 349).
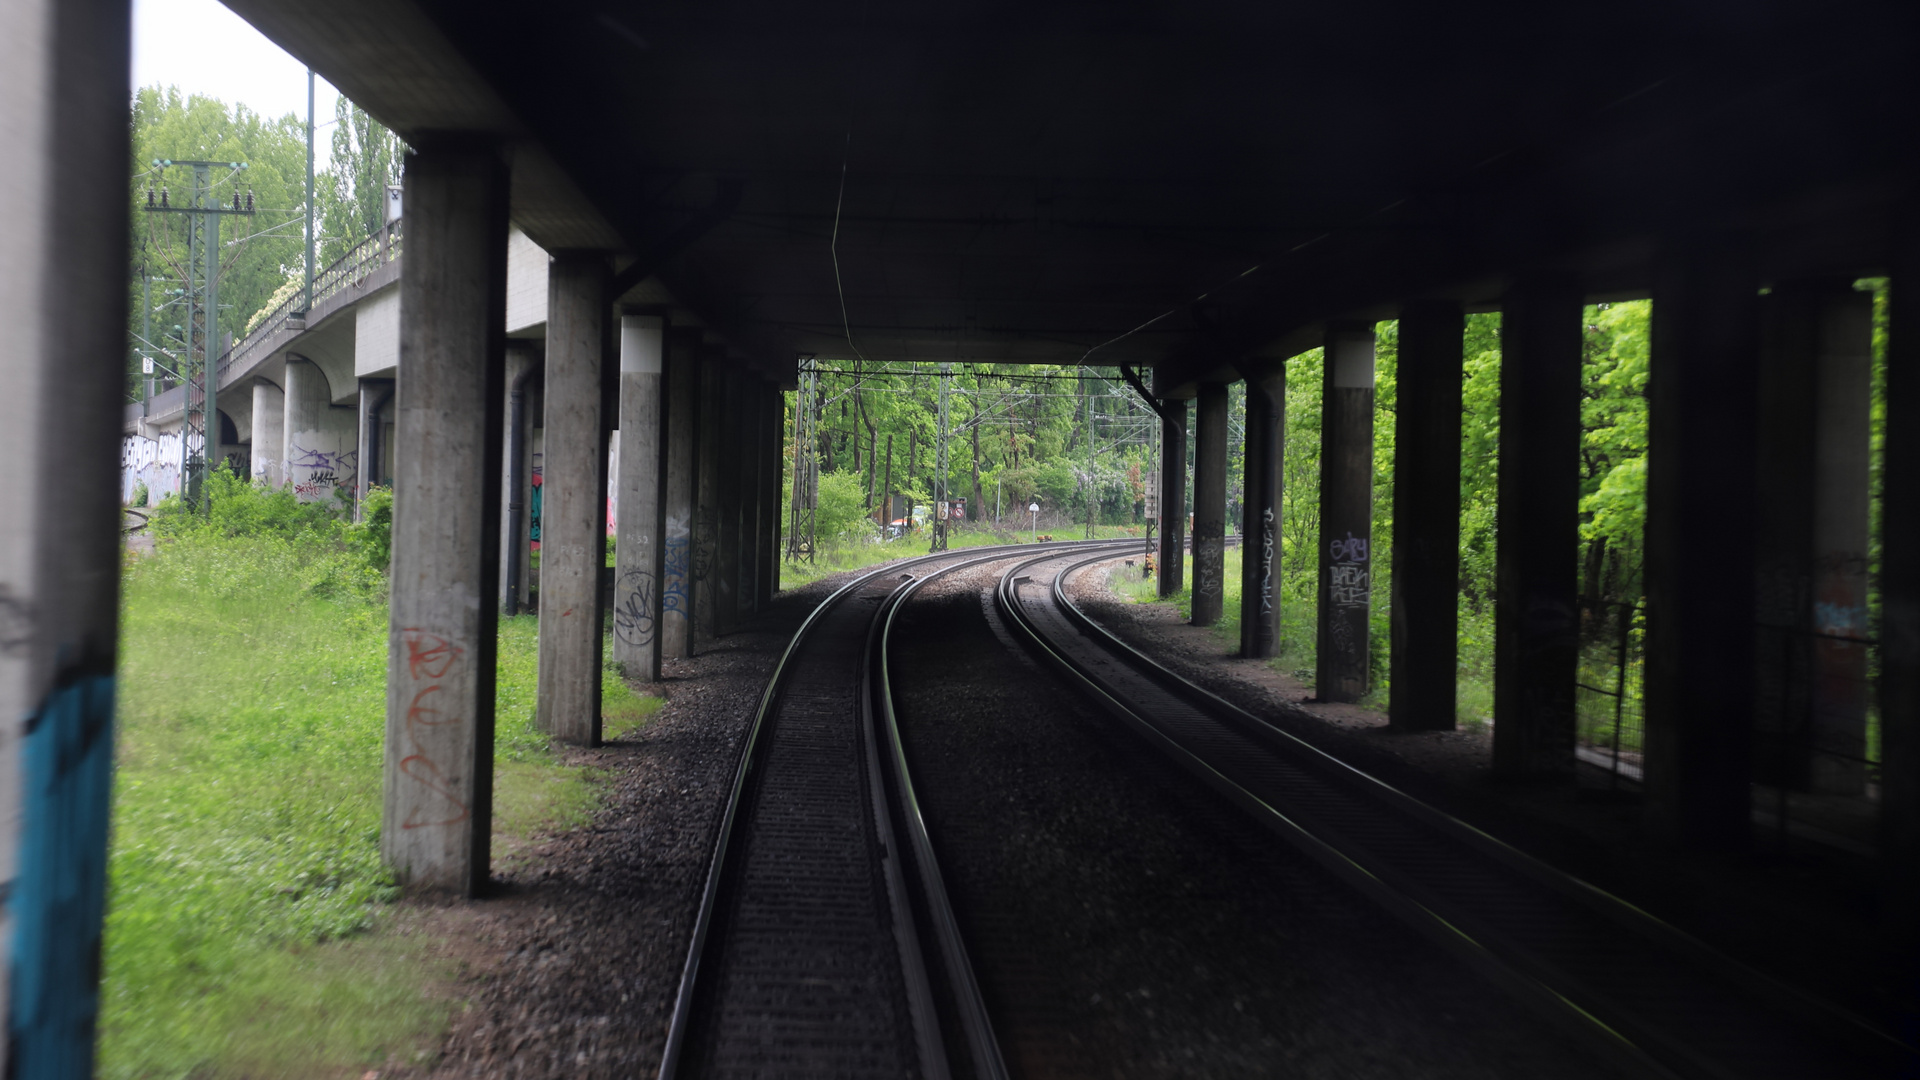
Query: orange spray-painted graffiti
(429, 658)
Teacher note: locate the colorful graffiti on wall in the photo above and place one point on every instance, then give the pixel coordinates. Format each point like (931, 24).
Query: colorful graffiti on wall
(316, 474)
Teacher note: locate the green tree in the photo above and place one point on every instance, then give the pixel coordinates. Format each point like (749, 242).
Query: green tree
(257, 252)
(351, 196)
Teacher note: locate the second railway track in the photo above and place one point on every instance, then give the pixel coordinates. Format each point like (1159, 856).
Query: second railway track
(1656, 1000)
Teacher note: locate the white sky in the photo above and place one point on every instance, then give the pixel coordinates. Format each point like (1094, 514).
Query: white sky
(201, 47)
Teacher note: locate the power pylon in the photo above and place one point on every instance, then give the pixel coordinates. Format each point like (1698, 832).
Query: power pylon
(200, 429)
(941, 511)
(806, 465)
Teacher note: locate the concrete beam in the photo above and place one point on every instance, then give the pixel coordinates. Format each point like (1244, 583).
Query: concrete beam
(1209, 504)
(63, 265)
(1701, 459)
(640, 551)
(1173, 498)
(1343, 656)
(1262, 484)
(573, 516)
(1424, 662)
(1536, 611)
(440, 663)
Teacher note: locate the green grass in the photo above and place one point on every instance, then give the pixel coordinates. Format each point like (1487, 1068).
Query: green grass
(250, 930)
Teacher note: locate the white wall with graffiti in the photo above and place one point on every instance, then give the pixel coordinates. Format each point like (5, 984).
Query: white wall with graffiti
(154, 462)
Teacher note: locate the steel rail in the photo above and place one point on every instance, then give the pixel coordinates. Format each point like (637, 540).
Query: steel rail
(1614, 1026)
(726, 841)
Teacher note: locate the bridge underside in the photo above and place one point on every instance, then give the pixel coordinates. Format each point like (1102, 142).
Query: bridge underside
(1003, 183)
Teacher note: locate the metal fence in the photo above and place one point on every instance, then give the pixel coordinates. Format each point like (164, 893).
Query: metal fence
(1611, 687)
(355, 266)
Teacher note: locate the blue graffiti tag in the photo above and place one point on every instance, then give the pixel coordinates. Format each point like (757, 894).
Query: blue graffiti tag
(59, 895)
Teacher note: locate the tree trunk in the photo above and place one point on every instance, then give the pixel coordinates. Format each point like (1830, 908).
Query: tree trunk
(973, 508)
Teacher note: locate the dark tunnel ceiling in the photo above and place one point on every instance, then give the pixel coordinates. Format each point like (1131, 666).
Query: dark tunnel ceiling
(1024, 182)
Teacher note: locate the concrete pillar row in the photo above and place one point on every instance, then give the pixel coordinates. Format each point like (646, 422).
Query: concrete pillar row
(63, 299)
(1816, 382)
(1262, 484)
(1425, 657)
(682, 396)
(1173, 498)
(1701, 493)
(1210, 504)
(1900, 604)
(438, 806)
(376, 397)
(573, 516)
(1342, 656)
(1536, 610)
(269, 432)
(709, 467)
(730, 497)
(639, 549)
(516, 473)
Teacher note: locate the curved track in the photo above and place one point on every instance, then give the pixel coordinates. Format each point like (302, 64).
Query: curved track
(824, 944)
(1653, 998)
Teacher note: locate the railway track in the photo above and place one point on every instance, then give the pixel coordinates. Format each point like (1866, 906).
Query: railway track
(1655, 1000)
(824, 943)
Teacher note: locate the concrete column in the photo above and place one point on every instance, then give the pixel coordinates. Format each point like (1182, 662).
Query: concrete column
(1701, 491)
(1536, 611)
(709, 468)
(573, 515)
(729, 500)
(1425, 660)
(752, 438)
(1173, 499)
(1346, 514)
(638, 552)
(63, 296)
(1209, 504)
(322, 442)
(269, 433)
(376, 397)
(1260, 535)
(1900, 605)
(682, 431)
(1811, 537)
(516, 473)
(440, 660)
(773, 476)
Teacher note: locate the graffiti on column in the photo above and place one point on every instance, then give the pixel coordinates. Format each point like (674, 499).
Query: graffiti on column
(1266, 562)
(633, 608)
(704, 549)
(316, 473)
(674, 596)
(1352, 580)
(430, 657)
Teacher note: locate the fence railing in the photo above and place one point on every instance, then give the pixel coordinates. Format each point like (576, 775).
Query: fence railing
(1611, 686)
(355, 266)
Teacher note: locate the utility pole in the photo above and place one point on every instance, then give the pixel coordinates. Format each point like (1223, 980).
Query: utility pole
(200, 420)
(940, 500)
(1088, 389)
(800, 519)
(307, 305)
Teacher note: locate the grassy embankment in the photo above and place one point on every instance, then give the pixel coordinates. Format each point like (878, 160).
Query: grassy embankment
(250, 929)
